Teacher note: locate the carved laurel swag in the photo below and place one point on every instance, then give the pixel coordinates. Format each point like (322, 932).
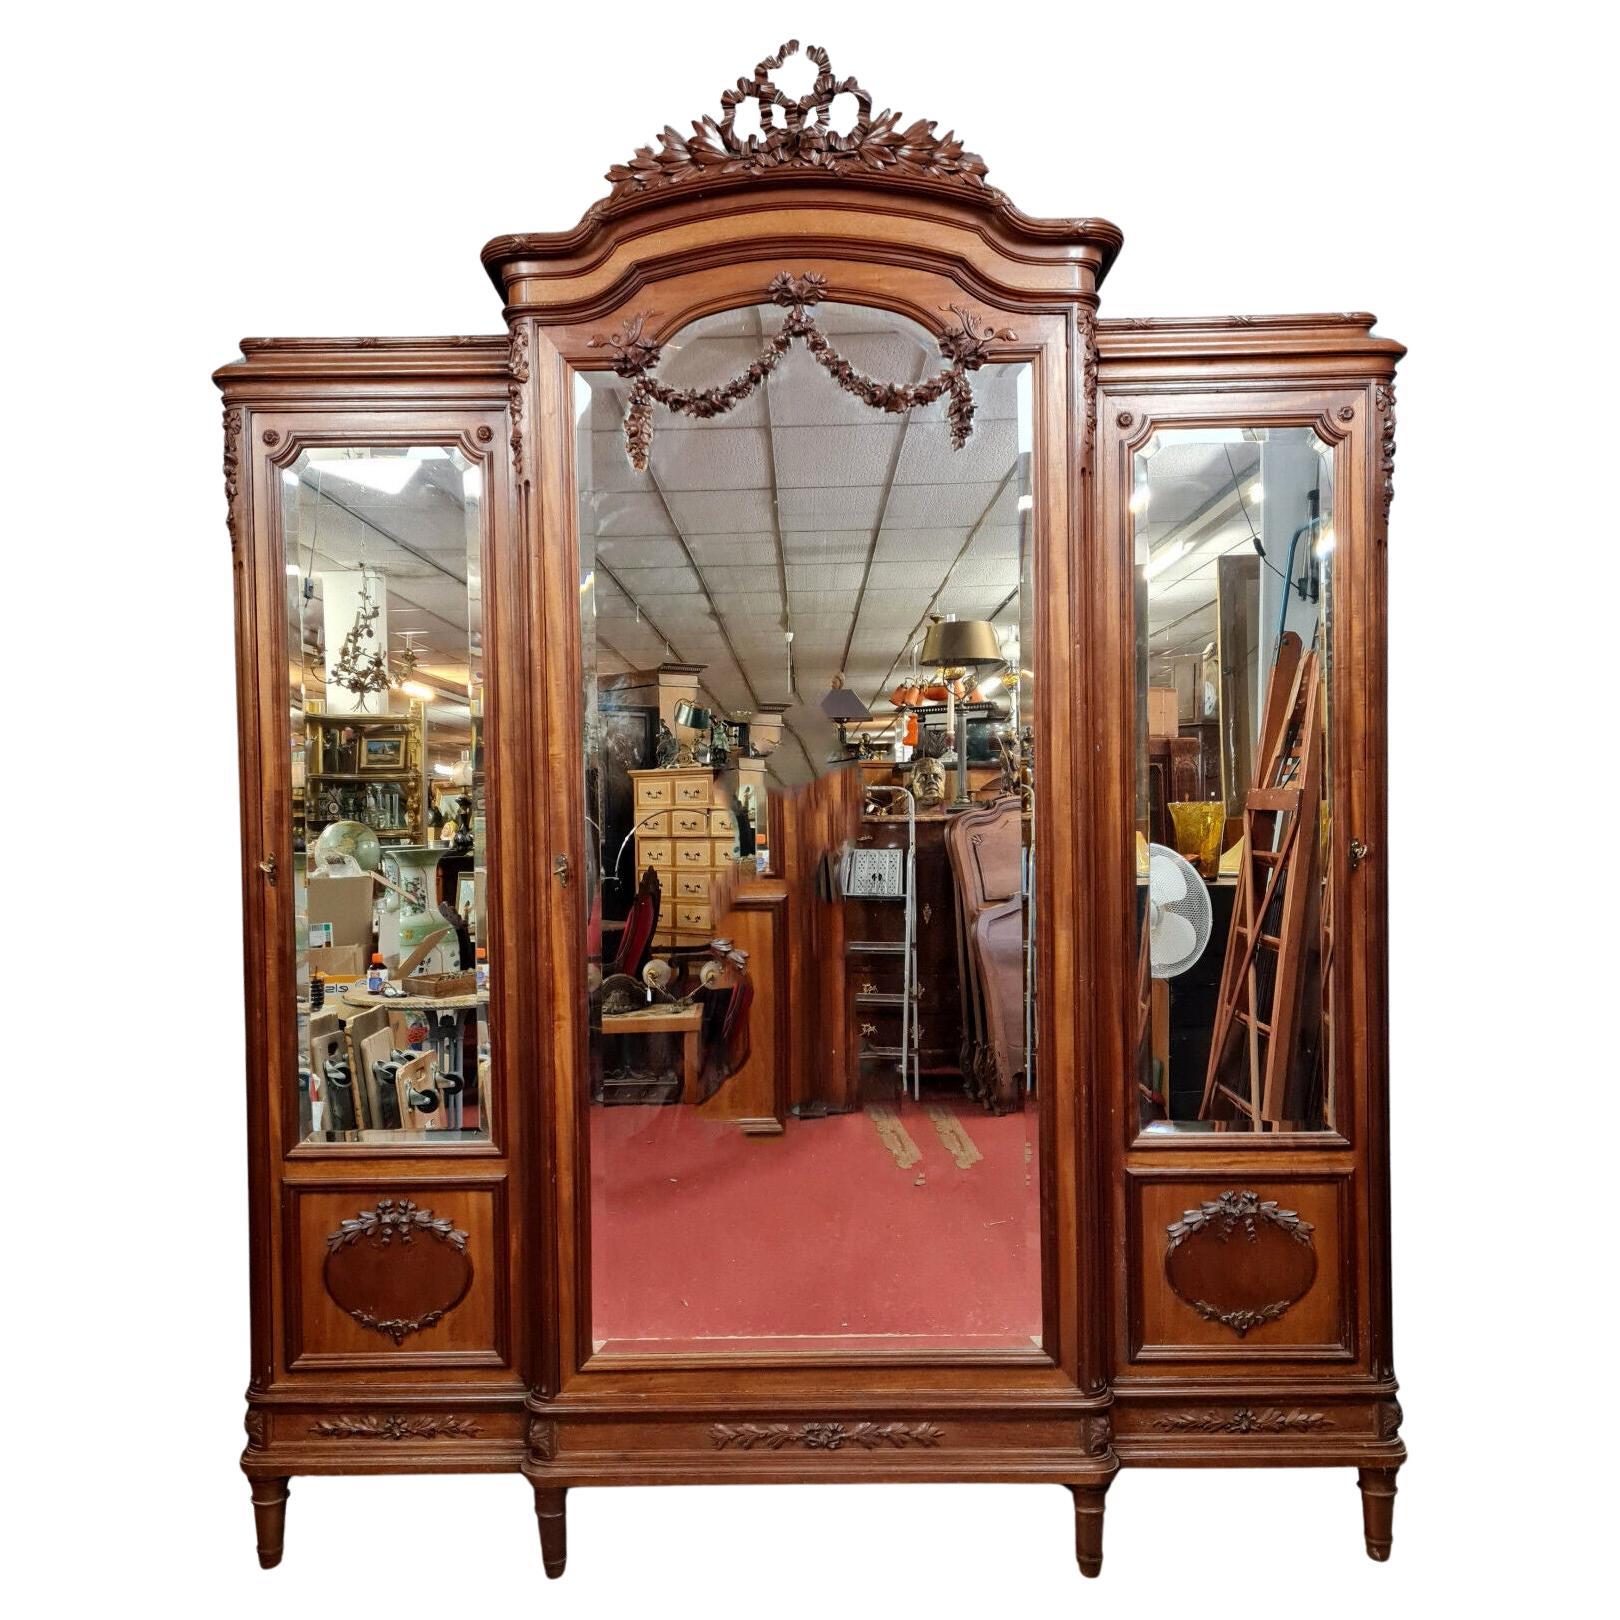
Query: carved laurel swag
(823, 1436)
(517, 366)
(1243, 1421)
(395, 1427)
(393, 1219)
(966, 347)
(803, 139)
(1238, 1211)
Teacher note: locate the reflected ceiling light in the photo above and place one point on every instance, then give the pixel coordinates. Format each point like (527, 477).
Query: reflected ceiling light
(1324, 543)
(991, 683)
(386, 474)
(1140, 497)
(1257, 492)
(441, 769)
(1025, 502)
(292, 568)
(417, 689)
(1171, 554)
(427, 452)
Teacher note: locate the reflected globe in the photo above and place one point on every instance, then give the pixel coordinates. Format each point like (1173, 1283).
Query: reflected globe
(352, 838)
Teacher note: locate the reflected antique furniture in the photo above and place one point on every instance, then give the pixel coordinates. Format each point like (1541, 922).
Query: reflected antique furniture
(1204, 1297)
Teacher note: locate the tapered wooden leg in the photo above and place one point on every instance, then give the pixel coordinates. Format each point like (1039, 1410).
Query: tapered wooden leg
(1088, 1525)
(550, 1508)
(270, 1518)
(1377, 1509)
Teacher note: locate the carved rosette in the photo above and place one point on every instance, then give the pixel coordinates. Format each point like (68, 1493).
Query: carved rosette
(397, 1269)
(395, 1427)
(1244, 1420)
(233, 445)
(517, 365)
(803, 139)
(966, 346)
(823, 1436)
(1240, 1260)
(1384, 402)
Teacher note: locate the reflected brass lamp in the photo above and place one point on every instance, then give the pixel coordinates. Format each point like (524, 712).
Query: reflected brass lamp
(961, 647)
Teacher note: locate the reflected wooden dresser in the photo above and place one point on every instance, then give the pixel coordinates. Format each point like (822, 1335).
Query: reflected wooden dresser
(772, 408)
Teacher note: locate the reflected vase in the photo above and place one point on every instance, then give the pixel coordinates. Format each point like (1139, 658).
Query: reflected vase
(415, 868)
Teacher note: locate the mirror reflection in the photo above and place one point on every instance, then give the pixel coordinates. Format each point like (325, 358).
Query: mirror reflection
(382, 549)
(809, 792)
(1234, 553)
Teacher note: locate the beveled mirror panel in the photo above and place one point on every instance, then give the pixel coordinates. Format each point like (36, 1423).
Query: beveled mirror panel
(384, 633)
(812, 1122)
(1234, 546)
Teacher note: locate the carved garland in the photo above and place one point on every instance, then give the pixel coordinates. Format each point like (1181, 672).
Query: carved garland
(1243, 1421)
(1384, 399)
(804, 139)
(823, 1436)
(392, 1219)
(1232, 1210)
(395, 1427)
(518, 365)
(233, 435)
(966, 346)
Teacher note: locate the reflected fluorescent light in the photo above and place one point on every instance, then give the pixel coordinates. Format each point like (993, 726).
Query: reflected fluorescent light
(428, 452)
(992, 684)
(1324, 543)
(1140, 497)
(441, 769)
(588, 581)
(1171, 554)
(1257, 492)
(417, 689)
(1026, 503)
(292, 569)
(387, 474)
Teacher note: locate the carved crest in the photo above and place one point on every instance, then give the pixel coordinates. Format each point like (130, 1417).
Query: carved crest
(797, 133)
(389, 1281)
(1246, 1283)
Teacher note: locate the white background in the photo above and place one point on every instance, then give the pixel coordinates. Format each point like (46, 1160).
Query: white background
(178, 176)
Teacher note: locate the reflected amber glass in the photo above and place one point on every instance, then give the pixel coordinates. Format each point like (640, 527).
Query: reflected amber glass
(383, 552)
(1234, 541)
(811, 1089)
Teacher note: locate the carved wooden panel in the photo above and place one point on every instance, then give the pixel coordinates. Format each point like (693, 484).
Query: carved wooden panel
(1239, 1269)
(397, 1274)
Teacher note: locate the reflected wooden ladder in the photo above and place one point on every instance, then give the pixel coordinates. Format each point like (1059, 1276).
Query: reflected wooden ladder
(1264, 1010)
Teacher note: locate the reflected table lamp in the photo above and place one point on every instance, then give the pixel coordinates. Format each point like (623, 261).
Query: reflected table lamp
(961, 647)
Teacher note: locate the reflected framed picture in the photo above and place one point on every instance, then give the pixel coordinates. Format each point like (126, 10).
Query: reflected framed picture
(383, 754)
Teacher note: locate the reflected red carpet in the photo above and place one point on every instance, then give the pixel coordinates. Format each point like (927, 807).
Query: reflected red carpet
(825, 1237)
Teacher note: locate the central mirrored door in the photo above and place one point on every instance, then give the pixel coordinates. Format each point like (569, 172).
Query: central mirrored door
(806, 636)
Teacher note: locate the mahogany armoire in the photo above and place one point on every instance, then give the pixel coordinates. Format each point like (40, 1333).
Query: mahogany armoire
(598, 679)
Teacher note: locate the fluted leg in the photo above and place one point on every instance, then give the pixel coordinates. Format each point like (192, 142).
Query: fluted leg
(1088, 1525)
(270, 1518)
(550, 1508)
(1377, 1509)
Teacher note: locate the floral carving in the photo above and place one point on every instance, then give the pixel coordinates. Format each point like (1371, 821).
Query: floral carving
(233, 438)
(1095, 1433)
(823, 1436)
(517, 365)
(394, 1219)
(1384, 399)
(1389, 1419)
(1243, 1421)
(257, 1424)
(1234, 1211)
(966, 345)
(803, 139)
(1240, 1321)
(1088, 376)
(395, 1427)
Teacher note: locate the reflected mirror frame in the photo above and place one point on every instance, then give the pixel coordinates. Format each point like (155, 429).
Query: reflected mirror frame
(1332, 444)
(463, 443)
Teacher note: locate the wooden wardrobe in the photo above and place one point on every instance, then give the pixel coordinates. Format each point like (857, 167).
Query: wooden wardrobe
(418, 521)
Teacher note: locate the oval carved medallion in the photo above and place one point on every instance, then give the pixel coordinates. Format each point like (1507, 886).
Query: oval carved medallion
(396, 1269)
(1239, 1260)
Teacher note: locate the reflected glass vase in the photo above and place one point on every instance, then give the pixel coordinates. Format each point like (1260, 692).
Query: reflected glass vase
(1199, 826)
(415, 868)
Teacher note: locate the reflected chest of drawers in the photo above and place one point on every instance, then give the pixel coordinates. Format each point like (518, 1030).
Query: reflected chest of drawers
(687, 833)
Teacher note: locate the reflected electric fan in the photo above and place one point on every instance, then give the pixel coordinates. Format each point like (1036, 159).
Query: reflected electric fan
(1178, 912)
